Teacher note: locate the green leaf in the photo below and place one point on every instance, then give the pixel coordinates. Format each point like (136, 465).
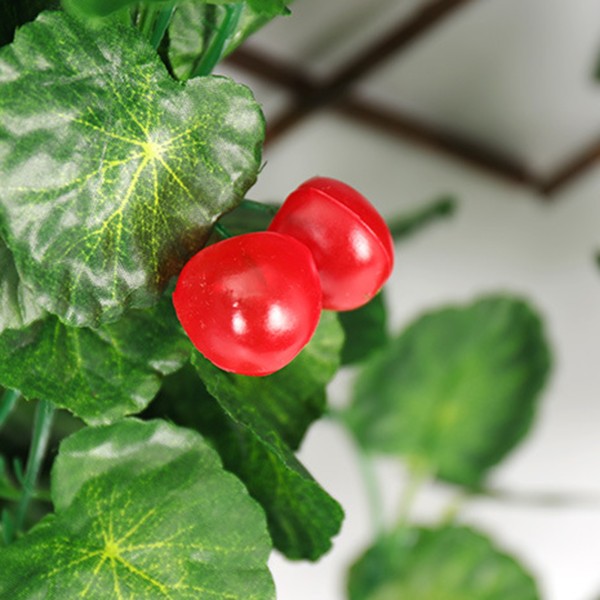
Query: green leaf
(365, 330)
(94, 9)
(143, 510)
(449, 563)
(406, 226)
(457, 390)
(302, 517)
(15, 13)
(270, 416)
(194, 23)
(284, 404)
(98, 374)
(269, 8)
(18, 307)
(260, 420)
(103, 8)
(113, 173)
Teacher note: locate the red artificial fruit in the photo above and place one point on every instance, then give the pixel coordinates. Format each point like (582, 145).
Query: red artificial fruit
(250, 303)
(350, 242)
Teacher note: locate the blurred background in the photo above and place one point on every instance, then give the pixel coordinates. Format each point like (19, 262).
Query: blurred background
(495, 103)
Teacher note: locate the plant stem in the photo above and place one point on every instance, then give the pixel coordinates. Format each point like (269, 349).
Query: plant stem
(270, 209)
(7, 404)
(404, 227)
(223, 231)
(416, 477)
(372, 491)
(162, 23)
(146, 21)
(208, 60)
(42, 425)
(540, 499)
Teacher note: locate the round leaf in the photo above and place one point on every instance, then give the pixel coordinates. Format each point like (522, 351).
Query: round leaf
(365, 330)
(143, 510)
(302, 517)
(100, 374)
(450, 563)
(288, 401)
(113, 173)
(18, 307)
(456, 390)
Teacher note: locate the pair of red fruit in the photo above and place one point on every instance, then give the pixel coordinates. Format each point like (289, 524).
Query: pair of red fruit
(250, 303)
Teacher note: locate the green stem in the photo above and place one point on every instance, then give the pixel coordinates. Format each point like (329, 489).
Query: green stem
(208, 60)
(146, 21)
(541, 499)
(416, 477)
(453, 508)
(42, 425)
(162, 24)
(7, 404)
(270, 209)
(404, 227)
(223, 231)
(372, 491)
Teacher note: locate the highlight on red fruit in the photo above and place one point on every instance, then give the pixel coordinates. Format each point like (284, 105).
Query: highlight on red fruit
(250, 303)
(349, 240)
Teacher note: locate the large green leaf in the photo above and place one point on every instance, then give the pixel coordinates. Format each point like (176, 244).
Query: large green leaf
(259, 420)
(365, 330)
(15, 13)
(98, 374)
(18, 307)
(143, 510)
(456, 390)
(449, 563)
(302, 517)
(112, 173)
(283, 404)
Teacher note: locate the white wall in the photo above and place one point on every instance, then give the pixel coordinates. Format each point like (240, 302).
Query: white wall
(502, 238)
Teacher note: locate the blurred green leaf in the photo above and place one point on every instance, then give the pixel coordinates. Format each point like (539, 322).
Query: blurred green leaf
(143, 510)
(449, 563)
(113, 177)
(407, 225)
(98, 374)
(365, 330)
(457, 390)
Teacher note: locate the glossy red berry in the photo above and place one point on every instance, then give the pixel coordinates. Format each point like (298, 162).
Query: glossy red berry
(351, 243)
(250, 303)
